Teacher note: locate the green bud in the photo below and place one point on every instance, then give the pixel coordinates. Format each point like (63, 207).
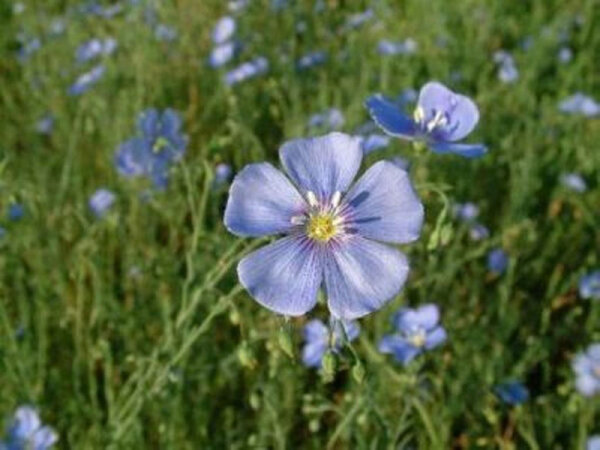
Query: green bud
(285, 342)
(246, 356)
(234, 316)
(314, 425)
(329, 366)
(446, 234)
(358, 372)
(254, 401)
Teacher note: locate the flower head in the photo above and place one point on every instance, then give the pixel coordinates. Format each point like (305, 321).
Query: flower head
(87, 80)
(478, 232)
(417, 330)
(586, 366)
(441, 118)
(589, 285)
(160, 144)
(573, 181)
(101, 201)
(593, 443)
(27, 432)
(580, 104)
(165, 33)
(497, 260)
(94, 48)
(318, 337)
(330, 228)
(222, 54)
(223, 30)
(247, 70)
(331, 119)
(466, 212)
(16, 211)
(391, 48)
(512, 392)
(45, 124)
(312, 59)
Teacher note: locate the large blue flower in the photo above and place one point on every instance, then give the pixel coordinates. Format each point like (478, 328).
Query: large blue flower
(318, 337)
(27, 432)
(441, 118)
(417, 330)
(330, 228)
(587, 371)
(161, 143)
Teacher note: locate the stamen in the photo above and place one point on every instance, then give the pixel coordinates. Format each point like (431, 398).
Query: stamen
(298, 220)
(336, 199)
(312, 199)
(419, 114)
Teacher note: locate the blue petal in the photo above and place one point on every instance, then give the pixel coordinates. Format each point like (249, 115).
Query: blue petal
(361, 276)
(587, 385)
(262, 202)
(148, 122)
(466, 150)
(312, 354)
(25, 423)
(316, 331)
(390, 119)
(435, 337)
(426, 317)
(170, 122)
(323, 165)
(461, 112)
(383, 205)
(134, 157)
(284, 276)
(403, 351)
(44, 438)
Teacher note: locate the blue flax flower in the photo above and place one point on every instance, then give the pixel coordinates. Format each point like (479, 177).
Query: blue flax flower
(391, 48)
(318, 337)
(223, 30)
(580, 104)
(586, 366)
(247, 70)
(565, 55)
(359, 19)
(478, 232)
(573, 181)
(312, 59)
(440, 119)
(497, 261)
(466, 212)
(27, 432)
(512, 392)
(417, 330)
(331, 119)
(165, 33)
(589, 285)
(45, 124)
(593, 443)
(507, 69)
(87, 80)
(222, 54)
(16, 211)
(94, 48)
(101, 201)
(330, 228)
(161, 143)
(222, 174)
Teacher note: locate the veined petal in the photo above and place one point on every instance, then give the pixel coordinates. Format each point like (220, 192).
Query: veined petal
(148, 122)
(436, 337)
(390, 119)
(399, 347)
(170, 122)
(361, 276)
(466, 150)
(316, 331)
(261, 202)
(284, 276)
(384, 206)
(323, 165)
(426, 316)
(461, 111)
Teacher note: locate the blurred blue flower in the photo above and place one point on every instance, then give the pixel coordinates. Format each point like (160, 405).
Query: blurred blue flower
(45, 125)
(161, 143)
(580, 104)
(565, 55)
(527, 43)
(497, 261)
(512, 392)
(573, 181)
(478, 232)
(441, 118)
(593, 443)
(374, 141)
(26, 432)
(318, 338)
(390, 48)
(16, 211)
(223, 30)
(101, 201)
(165, 33)
(87, 80)
(57, 27)
(507, 69)
(222, 54)
(589, 286)
(94, 48)
(331, 119)
(237, 5)
(247, 70)
(417, 330)
(29, 45)
(222, 174)
(586, 366)
(359, 19)
(329, 238)
(466, 212)
(312, 59)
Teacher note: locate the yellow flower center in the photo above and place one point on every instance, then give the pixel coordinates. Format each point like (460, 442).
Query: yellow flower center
(321, 227)
(418, 339)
